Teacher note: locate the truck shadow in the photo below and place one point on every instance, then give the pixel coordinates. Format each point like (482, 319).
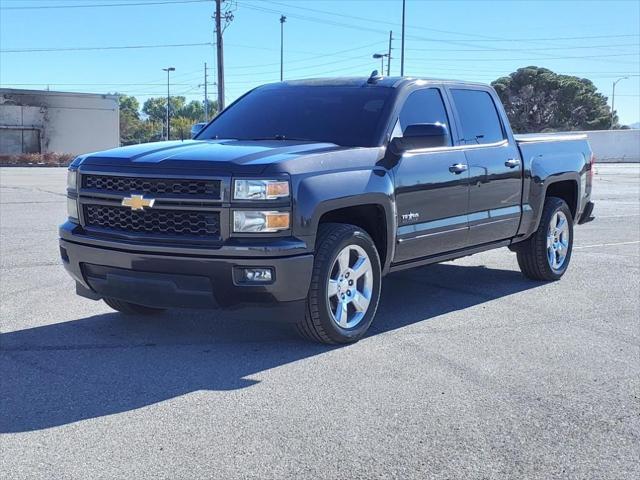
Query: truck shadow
(106, 364)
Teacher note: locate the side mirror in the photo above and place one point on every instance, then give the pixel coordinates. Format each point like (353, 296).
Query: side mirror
(196, 128)
(421, 135)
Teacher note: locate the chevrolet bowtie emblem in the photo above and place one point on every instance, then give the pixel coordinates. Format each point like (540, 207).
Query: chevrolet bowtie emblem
(138, 202)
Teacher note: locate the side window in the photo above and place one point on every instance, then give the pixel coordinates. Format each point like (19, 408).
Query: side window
(478, 117)
(424, 106)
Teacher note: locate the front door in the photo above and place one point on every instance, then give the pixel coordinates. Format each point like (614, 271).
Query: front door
(495, 168)
(431, 186)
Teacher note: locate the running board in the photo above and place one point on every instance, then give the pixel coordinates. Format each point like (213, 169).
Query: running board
(443, 257)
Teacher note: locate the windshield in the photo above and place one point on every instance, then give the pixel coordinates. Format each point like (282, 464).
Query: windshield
(349, 116)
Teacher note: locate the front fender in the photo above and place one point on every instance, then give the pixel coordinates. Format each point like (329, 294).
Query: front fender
(317, 194)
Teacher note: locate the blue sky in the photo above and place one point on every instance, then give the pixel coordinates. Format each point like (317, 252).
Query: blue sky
(470, 40)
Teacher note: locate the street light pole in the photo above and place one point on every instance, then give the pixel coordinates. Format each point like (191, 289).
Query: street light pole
(389, 54)
(282, 20)
(613, 99)
(168, 69)
(220, 54)
(381, 57)
(402, 46)
(206, 94)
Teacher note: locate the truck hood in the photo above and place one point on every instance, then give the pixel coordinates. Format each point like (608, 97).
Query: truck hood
(219, 156)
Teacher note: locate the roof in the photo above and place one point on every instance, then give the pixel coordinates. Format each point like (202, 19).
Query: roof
(382, 81)
(20, 91)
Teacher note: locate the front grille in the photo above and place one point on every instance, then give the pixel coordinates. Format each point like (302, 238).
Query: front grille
(152, 186)
(201, 224)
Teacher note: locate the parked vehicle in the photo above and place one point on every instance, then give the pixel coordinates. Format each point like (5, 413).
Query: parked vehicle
(196, 127)
(302, 195)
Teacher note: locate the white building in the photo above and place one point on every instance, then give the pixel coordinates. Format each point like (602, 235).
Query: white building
(40, 121)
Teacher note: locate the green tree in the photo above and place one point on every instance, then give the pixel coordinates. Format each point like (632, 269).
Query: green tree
(539, 100)
(149, 131)
(130, 122)
(213, 110)
(156, 107)
(181, 128)
(193, 111)
(129, 105)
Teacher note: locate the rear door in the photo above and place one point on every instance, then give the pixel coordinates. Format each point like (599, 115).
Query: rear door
(431, 196)
(495, 166)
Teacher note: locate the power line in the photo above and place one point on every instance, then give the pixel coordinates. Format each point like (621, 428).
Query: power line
(542, 55)
(313, 56)
(577, 47)
(123, 47)
(480, 38)
(103, 84)
(605, 55)
(101, 5)
(296, 69)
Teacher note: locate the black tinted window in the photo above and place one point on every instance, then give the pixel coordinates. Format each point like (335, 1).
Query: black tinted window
(424, 106)
(350, 116)
(478, 116)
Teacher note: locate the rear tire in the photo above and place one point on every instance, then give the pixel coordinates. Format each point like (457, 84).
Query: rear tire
(132, 308)
(345, 286)
(546, 255)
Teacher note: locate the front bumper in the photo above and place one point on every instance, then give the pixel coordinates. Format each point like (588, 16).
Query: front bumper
(169, 280)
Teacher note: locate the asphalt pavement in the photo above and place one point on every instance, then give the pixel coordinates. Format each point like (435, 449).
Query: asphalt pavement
(469, 371)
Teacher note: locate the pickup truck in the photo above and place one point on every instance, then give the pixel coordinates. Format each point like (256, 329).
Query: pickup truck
(300, 196)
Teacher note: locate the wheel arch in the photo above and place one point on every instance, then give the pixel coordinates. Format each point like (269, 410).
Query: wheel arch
(360, 197)
(565, 186)
(371, 217)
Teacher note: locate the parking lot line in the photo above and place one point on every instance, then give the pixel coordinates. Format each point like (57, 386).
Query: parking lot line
(607, 244)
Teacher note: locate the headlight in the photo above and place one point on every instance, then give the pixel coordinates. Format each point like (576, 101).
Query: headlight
(72, 179)
(260, 189)
(72, 208)
(253, 221)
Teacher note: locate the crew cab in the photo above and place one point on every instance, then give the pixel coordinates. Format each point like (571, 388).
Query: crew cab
(301, 195)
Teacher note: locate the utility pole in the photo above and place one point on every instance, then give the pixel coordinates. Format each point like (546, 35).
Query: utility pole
(389, 54)
(282, 20)
(168, 70)
(402, 47)
(219, 55)
(206, 97)
(613, 100)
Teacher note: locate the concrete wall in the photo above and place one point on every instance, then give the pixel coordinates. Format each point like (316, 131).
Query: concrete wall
(615, 145)
(611, 145)
(57, 122)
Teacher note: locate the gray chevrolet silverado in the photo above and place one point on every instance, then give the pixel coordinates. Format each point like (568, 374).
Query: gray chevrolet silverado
(302, 195)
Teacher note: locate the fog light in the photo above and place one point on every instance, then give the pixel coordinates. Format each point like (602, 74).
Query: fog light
(257, 275)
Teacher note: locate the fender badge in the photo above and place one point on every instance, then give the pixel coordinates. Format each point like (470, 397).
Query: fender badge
(410, 216)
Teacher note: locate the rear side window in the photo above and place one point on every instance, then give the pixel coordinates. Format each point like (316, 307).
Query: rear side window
(478, 117)
(424, 106)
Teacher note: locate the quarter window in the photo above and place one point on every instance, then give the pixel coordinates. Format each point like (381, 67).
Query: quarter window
(424, 106)
(478, 117)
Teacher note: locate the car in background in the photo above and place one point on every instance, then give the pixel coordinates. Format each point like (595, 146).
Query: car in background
(195, 129)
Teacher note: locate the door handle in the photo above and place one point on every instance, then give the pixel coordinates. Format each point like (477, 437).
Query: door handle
(512, 163)
(457, 168)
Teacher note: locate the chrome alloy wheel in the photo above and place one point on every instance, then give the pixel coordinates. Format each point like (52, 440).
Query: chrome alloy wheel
(558, 240)
(350, 286)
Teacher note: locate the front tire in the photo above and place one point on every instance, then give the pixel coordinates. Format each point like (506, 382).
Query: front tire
(345, 286)
(129, 308)
(546, 255)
